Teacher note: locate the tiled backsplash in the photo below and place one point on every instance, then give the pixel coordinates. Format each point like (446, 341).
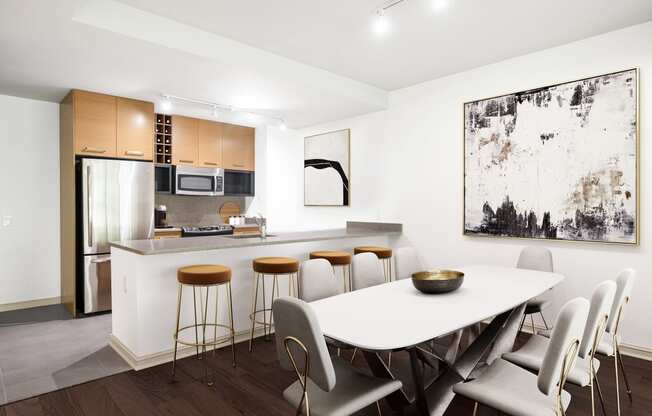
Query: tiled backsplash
(195, 210)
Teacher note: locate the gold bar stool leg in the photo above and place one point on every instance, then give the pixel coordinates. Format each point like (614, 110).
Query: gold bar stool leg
(274, 296)
(231, 323)
(194, 305)
(209, 382)
(253, 311)
(217, 298)
(264, 308)
(176, 331)
(350, 278)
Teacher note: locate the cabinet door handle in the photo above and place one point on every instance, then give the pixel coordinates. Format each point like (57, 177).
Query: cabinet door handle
(134, 153)
(93, 150)
(238, 165)
(186, 161)
(210, 163)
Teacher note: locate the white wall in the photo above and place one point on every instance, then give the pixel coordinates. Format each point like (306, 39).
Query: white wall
(285, 208)
(29, 194)
(407, 163)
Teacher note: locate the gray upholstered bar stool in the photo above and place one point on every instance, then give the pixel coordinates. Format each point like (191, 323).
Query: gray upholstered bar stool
(337, 259)
(383, 253)
(273, 267)
(206, 277)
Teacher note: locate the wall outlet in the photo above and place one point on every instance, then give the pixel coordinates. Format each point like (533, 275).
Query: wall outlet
(6, 220)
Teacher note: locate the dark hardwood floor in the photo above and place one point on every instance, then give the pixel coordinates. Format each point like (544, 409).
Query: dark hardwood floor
(254, 388)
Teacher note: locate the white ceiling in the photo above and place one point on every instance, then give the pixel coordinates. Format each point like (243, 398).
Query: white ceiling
(424, 43)
(305, 61)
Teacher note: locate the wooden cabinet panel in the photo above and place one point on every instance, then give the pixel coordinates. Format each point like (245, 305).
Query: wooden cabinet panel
(185, 141)
(159, 234)
(238, 147)
(135, 129)
(94, 124)
(209, 144)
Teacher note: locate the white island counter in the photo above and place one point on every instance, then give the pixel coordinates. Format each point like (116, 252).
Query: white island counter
(144, 281)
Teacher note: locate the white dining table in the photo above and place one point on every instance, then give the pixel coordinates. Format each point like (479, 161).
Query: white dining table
(396, 316)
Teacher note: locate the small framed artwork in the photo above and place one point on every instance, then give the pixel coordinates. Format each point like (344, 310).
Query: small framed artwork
(558, 162)
(326, 169)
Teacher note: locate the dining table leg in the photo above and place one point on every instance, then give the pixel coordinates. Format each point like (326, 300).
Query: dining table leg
(398, 400)
(417, 377)
(496, 337)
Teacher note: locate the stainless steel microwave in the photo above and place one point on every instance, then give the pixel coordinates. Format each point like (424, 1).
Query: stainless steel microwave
(198, 181)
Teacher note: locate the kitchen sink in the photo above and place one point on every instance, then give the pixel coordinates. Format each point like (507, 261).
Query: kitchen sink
(237, 237)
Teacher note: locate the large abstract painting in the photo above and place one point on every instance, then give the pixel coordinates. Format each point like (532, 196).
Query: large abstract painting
(326, 169)
(558, 162)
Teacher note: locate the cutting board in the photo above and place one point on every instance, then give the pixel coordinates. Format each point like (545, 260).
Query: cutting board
(229, 209)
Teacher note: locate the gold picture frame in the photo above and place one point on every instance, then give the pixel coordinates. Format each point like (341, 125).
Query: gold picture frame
(637, 220)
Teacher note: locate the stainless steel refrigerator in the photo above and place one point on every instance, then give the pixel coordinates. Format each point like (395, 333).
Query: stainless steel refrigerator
(115, 202)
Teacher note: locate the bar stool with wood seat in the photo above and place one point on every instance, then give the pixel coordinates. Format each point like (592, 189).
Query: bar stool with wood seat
(383, 253)
(340, 259)
(273, 267)
(201, 277)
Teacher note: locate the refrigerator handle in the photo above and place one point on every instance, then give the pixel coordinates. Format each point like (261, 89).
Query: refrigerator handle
(90, 209)
(102, 260)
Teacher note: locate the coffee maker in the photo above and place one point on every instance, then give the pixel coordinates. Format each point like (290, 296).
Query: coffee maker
(160, 216)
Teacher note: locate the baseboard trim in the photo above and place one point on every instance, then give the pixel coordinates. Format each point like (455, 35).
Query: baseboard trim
(143, 362)
(29, 304)
(629, 350)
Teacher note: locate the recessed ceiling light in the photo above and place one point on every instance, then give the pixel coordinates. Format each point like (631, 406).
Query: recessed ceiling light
(381, 24)
(439, 5)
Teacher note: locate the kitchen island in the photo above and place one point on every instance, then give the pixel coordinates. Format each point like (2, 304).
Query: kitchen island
(144, 281)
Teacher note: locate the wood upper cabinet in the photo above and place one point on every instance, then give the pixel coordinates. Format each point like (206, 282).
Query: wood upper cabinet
(135, 129)
(209, 144)
(238, 147)
(94, 121)
(185, 149)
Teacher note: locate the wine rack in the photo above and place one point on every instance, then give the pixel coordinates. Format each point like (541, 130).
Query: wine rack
(163, 139)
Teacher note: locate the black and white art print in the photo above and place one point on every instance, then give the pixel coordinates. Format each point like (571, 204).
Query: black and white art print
(326, 167)
(559, 162)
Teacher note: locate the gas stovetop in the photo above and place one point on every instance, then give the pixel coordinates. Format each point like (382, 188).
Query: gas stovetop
(222, 229)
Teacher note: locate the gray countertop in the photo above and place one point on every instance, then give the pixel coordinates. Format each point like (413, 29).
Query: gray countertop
(181, 245)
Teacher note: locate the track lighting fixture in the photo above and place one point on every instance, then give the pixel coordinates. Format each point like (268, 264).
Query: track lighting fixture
(215, 108)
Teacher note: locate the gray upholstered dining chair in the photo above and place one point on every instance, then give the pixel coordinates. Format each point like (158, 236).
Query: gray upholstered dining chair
(584, 373)
(407, 262)
(510, 389)
(367, 270)
(610, 345)
(317, 280)
(540, 259)
(326, 385)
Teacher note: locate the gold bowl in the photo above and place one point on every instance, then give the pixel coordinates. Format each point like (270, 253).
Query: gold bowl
(437, 281)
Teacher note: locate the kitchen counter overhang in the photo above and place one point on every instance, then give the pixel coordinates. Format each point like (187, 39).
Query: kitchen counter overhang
(354, 229)
(144, 281)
